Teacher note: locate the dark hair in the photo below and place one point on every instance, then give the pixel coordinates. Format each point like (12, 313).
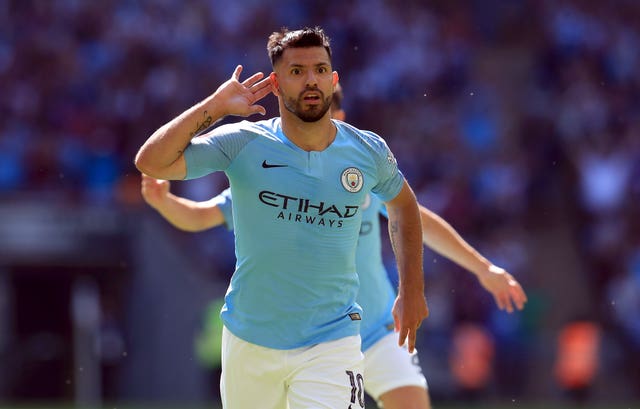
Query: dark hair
(306, 37)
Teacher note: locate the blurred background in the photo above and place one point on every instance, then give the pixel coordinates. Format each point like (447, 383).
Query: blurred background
(517, 121)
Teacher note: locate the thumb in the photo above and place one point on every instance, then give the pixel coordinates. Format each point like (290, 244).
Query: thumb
(258, 109)
(396, 323)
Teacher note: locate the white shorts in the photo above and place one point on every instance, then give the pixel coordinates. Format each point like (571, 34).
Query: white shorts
(388, 366)
(323, 376)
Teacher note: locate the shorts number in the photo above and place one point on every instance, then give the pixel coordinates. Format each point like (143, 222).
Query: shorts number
(357, 388)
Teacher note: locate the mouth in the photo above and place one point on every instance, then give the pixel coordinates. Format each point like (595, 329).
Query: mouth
(312, 97)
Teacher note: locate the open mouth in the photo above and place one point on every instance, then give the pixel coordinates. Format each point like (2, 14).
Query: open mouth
(311, 97)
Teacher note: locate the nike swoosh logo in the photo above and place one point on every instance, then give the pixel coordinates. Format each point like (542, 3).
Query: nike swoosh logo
(269, 165)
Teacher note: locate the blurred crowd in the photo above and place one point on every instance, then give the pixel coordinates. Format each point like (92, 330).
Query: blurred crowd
(509, 119)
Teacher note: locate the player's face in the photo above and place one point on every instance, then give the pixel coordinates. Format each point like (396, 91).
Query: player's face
(305, 82)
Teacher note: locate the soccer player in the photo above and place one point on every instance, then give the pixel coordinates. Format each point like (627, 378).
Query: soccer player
(392, 376)
(291, 322)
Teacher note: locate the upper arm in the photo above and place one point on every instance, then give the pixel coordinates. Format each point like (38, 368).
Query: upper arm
(405, 198)
(176, 171)
(404, 223)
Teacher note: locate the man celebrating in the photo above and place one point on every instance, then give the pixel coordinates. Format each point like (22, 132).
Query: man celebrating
(298, 182)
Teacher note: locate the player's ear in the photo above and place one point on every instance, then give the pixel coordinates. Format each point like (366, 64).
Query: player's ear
(275, 86)
(338, 114)
(336, 79)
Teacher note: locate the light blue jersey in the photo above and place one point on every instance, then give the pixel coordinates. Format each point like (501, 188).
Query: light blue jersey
(376, 295)
(297, 217)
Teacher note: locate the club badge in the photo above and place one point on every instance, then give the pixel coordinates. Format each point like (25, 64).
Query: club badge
(352, 180)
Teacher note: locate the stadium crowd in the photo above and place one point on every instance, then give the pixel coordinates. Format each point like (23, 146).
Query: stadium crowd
(513, 120)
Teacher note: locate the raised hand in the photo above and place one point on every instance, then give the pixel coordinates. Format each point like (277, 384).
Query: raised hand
(505, 289)
(240, 98)
(154, 191)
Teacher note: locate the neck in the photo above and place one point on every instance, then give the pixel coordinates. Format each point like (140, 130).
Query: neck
(308, 136)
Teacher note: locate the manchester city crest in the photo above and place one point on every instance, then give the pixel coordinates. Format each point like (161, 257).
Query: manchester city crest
(352, 180)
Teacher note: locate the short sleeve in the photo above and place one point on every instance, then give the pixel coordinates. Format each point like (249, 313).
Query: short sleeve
(215, 150)
(224, 203)
(390, 179)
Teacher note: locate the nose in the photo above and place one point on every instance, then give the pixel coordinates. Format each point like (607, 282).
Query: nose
(312, 80)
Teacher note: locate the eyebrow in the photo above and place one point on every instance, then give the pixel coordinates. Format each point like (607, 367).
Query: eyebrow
(315, 65)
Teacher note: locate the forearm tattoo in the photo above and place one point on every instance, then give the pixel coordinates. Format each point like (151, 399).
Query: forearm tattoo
(393, 231)
(208, 120)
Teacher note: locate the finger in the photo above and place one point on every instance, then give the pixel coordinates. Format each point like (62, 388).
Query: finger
(508, 304)
(249, 82)
(517, 302)
(265, 84)
(521, 292)
(258, 109)
(412, 341)
(519, 298)
(261, 93)
(516, 288)
(506, 301)
(396, 323)
(402, 335)
(236, 73)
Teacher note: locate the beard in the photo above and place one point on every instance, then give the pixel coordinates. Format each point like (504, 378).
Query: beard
(310, 114)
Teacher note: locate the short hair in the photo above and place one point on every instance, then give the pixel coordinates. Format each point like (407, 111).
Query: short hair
(303, 38)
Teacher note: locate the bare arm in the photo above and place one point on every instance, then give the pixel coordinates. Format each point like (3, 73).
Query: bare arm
(161, 156)
(183, 213)
(445, 240)
(410, 307)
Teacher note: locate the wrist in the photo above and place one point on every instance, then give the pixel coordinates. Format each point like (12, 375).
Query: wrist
(483, 268)
(214, 106)
(410, 287)
(160, 203)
